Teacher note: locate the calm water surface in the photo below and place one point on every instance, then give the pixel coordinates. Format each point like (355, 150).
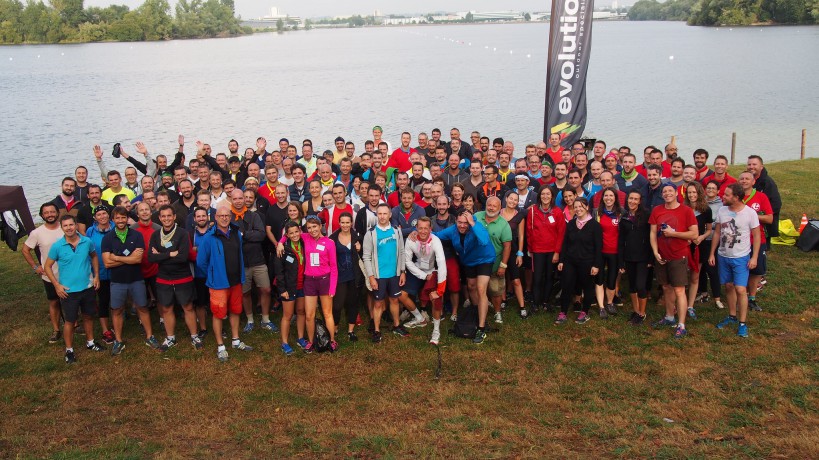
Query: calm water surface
(58, 101)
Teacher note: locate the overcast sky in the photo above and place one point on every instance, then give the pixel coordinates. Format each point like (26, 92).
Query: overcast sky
(312, 8)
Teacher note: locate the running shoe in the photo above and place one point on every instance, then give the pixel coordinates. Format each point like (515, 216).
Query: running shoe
(617, 300)
(55, 337)
(753, 306)
(270, 327)
(222, 355)
(405, 316)
(69, 357)
(371, 327)
(413, 323)
(664, 322)
(95, 346)
(436, 337)
(503, 305)
(498, 318)
(582, 318)
(727, 322)
(561, 318)
(352, 337)
(377, 336)
(248, 328)
(604, 314)
(287, 349)
(480, 336)
(692, 313)
(202, 334)
(720, 305)
(333, 346)
(453, 318)
(400, 331)
(611, 309)
(197, 343)
(241, 346)
(117, 348)
(638, 320)
(680, 332)
(302, 343)
(742, 330)
(524, 314)
(308, 348)
(152, 342)
(701, 296)
(108, 337)
(631, 318)
(167, 344)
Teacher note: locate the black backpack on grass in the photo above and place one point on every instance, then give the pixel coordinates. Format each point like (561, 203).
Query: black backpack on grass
(322, 339)
(467, 323)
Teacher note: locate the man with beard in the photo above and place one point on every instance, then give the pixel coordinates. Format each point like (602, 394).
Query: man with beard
(629, 179)
(454, 173)
(201, 225)
(704, 173)
(654, 188)
(299, 191)
(186, 202)
(561, 172)
(500, 234)
(85, 216)
(81, 190)
(765, 184)
(169, 249)
(41, 239)
(96, 232)
(66, 202)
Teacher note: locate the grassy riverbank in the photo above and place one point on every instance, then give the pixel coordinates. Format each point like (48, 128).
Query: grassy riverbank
(604, 389)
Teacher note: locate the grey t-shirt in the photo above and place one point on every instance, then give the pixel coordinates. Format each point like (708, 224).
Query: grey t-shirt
(735, 231)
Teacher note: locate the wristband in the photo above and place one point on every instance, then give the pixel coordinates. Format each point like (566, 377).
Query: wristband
(503, 265)
(519, 254)
(34, 269)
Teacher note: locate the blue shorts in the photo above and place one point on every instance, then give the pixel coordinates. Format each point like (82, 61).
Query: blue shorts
(293, 295)
(121, 291)
(413, 285)
(387, 287)
(734, 270)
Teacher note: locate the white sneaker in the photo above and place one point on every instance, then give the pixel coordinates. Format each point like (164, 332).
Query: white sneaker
(467, 303)
(436, 337)
(411, 323)
(453, 318)
(498, 318)
(405, 315)
(720, 305)
(425, 315)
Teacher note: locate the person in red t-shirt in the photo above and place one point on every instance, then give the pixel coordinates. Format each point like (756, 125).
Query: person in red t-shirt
(673, 226)
(761, 204)
(608, 214)
(400, 156)
(555, 150)
(720, 175)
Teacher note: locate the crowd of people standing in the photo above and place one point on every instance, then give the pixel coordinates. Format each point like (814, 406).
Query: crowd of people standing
(400, 238)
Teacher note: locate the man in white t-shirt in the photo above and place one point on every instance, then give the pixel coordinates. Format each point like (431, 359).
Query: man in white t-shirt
(41, 239)
(737, 240)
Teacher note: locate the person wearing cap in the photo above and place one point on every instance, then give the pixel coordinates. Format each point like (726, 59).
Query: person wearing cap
(546, 168)
(236, 172)
(96, 232)
(526, 196)
(611, 161)
(377, 132)
(673, 226)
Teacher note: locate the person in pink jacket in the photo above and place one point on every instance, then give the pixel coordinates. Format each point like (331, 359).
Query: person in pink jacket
(320, 279)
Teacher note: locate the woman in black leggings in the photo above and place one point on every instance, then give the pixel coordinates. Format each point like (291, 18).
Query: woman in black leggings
(580, 260)
(347, 246)
(608, 214)
(634, 254)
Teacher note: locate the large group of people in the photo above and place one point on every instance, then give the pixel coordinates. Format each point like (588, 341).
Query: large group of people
(399, 238)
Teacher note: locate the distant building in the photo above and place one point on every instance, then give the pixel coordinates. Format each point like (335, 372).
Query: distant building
(497, 16)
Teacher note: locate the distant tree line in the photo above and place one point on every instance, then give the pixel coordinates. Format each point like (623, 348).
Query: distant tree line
(67, 21)
(727, 12)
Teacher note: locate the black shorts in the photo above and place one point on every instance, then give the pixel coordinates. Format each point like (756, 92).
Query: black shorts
(85, 301)
(761, 264)
(202, 293)
(387, 287)
(168, 295)
(478, 270)
(51, 293)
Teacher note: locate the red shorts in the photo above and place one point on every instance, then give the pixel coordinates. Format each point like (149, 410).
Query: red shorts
(453, 275)
(430, 286)
(222, 300)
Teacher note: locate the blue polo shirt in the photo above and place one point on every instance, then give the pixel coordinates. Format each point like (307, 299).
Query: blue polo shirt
(75, 263)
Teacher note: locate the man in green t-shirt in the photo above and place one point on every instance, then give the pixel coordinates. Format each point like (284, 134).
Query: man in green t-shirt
(500, 234)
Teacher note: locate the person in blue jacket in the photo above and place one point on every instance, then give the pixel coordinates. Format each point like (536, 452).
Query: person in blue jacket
(471, 242)
(219, 256)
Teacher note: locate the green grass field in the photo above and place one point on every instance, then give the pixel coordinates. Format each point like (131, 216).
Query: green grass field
(604, 389)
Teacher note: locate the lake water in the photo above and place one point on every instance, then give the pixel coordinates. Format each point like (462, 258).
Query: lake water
(58, 101)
